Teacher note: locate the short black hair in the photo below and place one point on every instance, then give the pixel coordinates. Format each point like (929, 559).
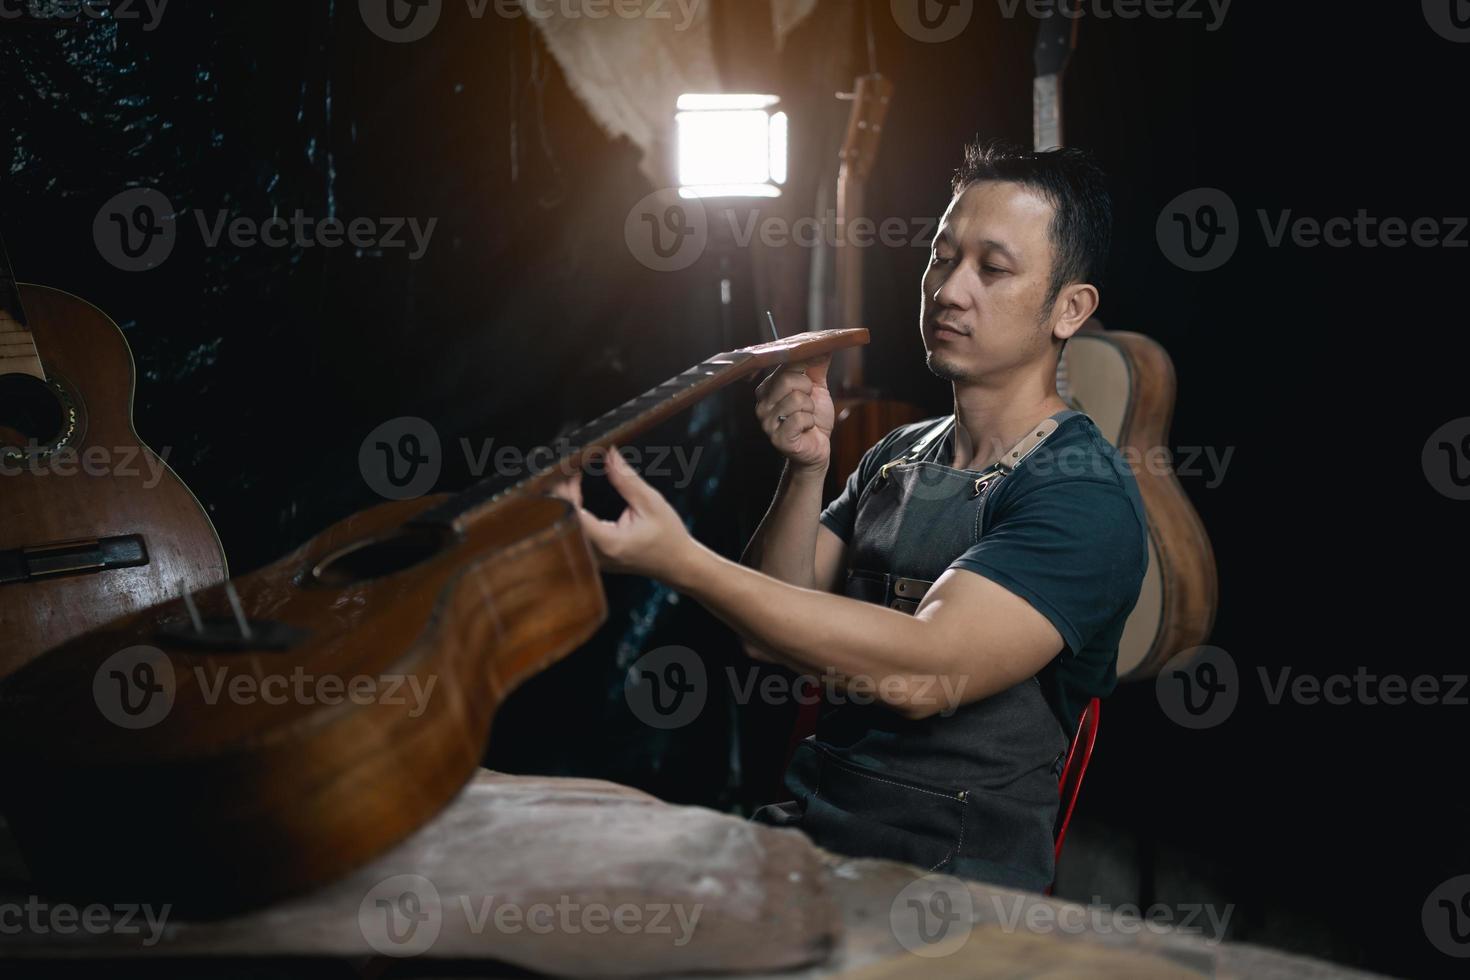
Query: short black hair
(1082, 212)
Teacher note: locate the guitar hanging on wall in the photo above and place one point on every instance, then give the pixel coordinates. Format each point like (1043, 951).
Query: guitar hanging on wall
(93, 523)
(862, 416)
(1126, 383)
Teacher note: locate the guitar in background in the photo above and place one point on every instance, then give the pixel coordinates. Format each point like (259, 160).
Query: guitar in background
(862, 415)
(93, 524)
(1125, 382)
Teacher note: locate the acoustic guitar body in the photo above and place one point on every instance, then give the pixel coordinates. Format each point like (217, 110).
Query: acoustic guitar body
(268, 734)
(1125, 382)
(234, 771)
(93, 524)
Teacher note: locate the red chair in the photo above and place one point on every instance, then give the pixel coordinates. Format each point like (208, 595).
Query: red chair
(1078, 755)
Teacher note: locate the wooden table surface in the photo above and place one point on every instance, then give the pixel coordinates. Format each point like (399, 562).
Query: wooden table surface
(576, 877)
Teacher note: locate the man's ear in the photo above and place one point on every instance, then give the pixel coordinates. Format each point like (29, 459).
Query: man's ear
(1075, 305)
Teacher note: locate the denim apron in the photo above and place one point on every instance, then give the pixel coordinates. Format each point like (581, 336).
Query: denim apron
(971, 791)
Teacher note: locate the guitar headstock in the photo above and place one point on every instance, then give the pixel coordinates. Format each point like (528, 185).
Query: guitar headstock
(870, 99)
(1056, 37)
(805, 346)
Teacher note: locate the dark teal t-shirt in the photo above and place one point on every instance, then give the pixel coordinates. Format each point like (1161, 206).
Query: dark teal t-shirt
(1066, 532)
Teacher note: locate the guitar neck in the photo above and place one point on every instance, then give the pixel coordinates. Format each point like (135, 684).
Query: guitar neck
(1046, 111)
(1056, 39)
(847, 373)
(636, 416)
(871, 97)
(1046, 125)
(18, 353)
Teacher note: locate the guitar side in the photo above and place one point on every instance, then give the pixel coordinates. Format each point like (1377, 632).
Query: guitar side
(113, 486)
(1126, 383)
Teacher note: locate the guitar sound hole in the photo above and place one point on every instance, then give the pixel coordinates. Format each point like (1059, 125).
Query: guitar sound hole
(34, 416)
(380, 557)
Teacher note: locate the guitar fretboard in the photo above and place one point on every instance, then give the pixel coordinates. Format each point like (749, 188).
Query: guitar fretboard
(1056, 37)
(18, 354)
(632, 417)
(1046, 111)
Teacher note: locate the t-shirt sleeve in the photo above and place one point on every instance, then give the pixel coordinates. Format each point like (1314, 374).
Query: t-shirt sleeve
(1075, 550)
(840, 516)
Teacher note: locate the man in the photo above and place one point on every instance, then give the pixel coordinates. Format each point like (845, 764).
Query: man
(986, 573)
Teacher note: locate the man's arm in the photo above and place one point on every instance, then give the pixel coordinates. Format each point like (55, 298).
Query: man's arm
(791, 544)
(795, 410)
(968, 639)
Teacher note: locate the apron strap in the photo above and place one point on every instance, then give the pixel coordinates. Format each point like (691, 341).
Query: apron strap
(904, 594)
(1029, 443)
(1008, 461)
(919, 446)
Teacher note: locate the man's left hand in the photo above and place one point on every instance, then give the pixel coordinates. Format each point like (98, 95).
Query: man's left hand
(649, 538)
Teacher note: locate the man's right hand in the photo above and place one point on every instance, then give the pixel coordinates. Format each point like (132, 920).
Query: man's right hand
(795, 409)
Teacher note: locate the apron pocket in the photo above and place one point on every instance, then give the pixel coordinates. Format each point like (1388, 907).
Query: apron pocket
(1008, 838)
(865, 812)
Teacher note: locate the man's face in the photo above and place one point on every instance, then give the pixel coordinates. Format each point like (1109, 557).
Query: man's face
(984, 309)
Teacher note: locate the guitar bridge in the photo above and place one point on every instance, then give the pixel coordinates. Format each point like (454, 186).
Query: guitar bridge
(83, 557)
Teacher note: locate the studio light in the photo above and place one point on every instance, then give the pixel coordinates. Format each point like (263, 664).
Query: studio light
(731, 146)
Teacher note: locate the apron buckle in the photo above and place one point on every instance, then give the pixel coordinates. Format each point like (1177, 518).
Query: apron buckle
(982, 484)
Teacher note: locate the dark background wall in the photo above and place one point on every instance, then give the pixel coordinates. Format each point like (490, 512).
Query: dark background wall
(1325, 370)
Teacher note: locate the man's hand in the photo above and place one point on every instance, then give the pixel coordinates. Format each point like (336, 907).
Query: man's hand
(795, 409)
(649, 538)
